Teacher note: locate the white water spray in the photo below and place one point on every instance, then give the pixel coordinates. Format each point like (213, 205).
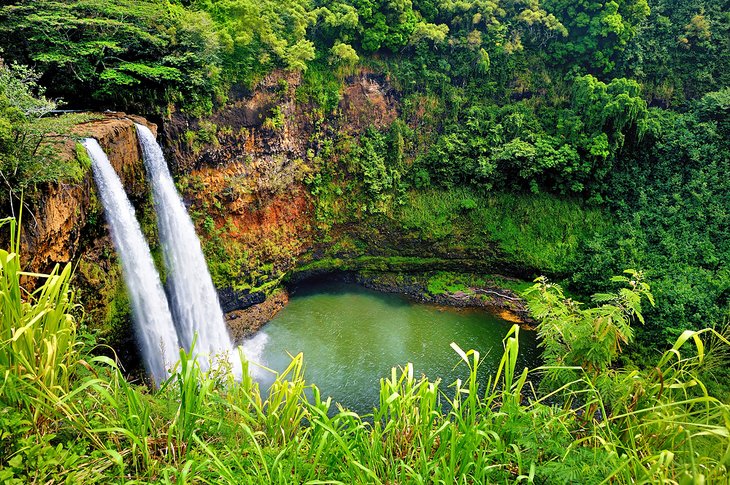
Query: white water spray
(193, 298)
(154, 326)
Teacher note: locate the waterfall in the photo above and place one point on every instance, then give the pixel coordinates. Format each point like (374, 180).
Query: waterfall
(154, 325)
(193, 298)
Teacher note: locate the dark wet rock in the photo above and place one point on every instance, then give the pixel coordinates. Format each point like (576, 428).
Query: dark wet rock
(231, 299)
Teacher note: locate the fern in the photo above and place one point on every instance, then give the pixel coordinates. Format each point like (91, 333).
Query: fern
(587, 338)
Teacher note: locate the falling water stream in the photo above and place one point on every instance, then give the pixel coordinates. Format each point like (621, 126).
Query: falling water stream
(154, 325)
(193, 298)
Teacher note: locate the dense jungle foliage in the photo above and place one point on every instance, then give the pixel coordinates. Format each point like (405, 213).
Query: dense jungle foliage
(580, 137)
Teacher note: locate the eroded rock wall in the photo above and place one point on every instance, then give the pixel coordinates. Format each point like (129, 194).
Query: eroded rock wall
(244, 171)
(52, 231)
(245, 174)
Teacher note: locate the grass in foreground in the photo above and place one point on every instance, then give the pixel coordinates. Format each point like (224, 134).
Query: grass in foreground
(87, 424)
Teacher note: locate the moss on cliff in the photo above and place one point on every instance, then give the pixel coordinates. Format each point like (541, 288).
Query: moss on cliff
(335, 190)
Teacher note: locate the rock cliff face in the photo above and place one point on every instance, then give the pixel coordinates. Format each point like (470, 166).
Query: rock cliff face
(247, 173)
(52, 233)
(246, 170)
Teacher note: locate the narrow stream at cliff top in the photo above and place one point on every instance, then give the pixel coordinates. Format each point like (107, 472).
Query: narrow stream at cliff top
(351, 337)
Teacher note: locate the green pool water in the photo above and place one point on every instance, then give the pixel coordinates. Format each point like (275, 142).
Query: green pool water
(351, 337)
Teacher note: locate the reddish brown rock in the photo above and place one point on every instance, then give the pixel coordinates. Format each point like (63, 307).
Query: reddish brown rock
(51, 232)
(367, 101)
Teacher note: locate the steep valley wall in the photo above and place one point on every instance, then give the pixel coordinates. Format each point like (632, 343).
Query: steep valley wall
(53, 229)
(246, 175)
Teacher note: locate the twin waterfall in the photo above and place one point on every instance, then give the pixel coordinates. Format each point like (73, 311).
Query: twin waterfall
(193, 313)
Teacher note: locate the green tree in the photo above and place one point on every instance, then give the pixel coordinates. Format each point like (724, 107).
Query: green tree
(378, 162)
(681, 52)
(601, 118)
(589, 338)
(338, 22)
(257, 36)
(598, 31)
(124, 53)
(344, 53)
(669, 196)
(28, 154)
(385, 23)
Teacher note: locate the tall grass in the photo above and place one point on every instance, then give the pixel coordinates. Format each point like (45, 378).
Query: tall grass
(38, 348)
(671, 428)
(82, 422)
(421, 432)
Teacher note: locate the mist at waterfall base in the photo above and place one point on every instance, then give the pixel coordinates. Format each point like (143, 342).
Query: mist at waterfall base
(351, 337)
(192, 296)
(155, 329)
